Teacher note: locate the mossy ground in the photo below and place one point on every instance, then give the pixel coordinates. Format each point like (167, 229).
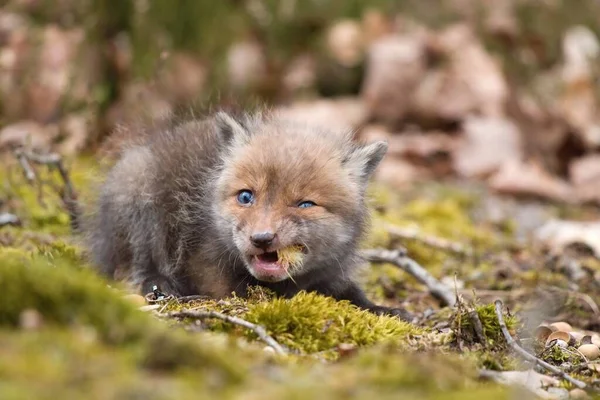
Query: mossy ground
(86, 339)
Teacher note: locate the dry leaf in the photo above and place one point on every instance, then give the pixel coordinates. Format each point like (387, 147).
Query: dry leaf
(529, 179)
(487, 143)
(395, 66)
(468, 80)
(558, 234)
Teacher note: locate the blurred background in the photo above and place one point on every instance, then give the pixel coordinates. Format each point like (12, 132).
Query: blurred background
(505, 91)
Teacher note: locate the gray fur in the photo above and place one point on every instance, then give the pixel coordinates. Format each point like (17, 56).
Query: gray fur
(160, 215)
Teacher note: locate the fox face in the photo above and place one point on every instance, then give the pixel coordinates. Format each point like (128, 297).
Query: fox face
(290, 198)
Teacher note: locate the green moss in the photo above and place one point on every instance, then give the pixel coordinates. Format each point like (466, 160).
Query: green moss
(463, 325)
(313, 323)
(63, 294)
(385, 372)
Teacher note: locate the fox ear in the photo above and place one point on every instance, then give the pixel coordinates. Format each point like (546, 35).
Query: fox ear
(363, 160)
(230, 129)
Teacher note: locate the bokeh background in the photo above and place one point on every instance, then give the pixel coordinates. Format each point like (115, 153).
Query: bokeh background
(505, 91)
(491, 184)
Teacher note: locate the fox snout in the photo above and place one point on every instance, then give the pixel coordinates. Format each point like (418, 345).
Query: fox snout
(263, 239)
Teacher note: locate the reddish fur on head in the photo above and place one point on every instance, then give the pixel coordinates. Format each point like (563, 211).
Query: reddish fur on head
(284, 164)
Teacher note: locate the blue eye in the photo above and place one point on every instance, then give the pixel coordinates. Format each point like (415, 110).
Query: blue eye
(245, 197)
(306, 204)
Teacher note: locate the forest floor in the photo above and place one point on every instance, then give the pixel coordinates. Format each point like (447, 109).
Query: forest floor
(490, 260)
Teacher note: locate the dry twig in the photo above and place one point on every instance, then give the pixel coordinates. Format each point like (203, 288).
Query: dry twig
(529, 357)
(259, 330)
(407, 264)
(429, 240)
(52, 160)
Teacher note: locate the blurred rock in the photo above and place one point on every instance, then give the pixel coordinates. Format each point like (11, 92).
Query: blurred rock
(559, 234)
(395, 66)
(487, 143)
(466, 81)
(530, 180)
(30, 133)
(341, 114)
(584, 174)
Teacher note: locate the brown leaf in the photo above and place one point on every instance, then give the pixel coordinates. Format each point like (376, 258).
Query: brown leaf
(578, 102)
(558, 234)
(529, 179)
(468, 80)
(585, 177)
(487, 143)
(397, 172)
(395, 66)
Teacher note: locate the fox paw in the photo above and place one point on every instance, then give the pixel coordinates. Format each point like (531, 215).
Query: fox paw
(394, 312)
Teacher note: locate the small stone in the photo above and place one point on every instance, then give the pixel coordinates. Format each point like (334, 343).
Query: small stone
(590, 351)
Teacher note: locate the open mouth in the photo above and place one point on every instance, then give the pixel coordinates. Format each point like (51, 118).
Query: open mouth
(269, 258)
(277, 265)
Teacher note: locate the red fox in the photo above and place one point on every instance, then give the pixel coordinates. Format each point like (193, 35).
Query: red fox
(211, 206)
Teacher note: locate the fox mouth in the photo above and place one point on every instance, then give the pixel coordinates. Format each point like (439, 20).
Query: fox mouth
(269, 258)
(274, 266)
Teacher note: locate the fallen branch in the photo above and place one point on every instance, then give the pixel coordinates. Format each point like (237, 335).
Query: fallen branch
(52, 160)
(259, 330)
(440, 291)
(9, 219)
(529, 357)
(429, 240)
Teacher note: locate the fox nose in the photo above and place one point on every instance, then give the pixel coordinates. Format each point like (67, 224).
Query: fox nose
(262, 239)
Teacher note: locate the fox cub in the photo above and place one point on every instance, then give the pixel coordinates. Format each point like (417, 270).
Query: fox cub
(212, 206)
